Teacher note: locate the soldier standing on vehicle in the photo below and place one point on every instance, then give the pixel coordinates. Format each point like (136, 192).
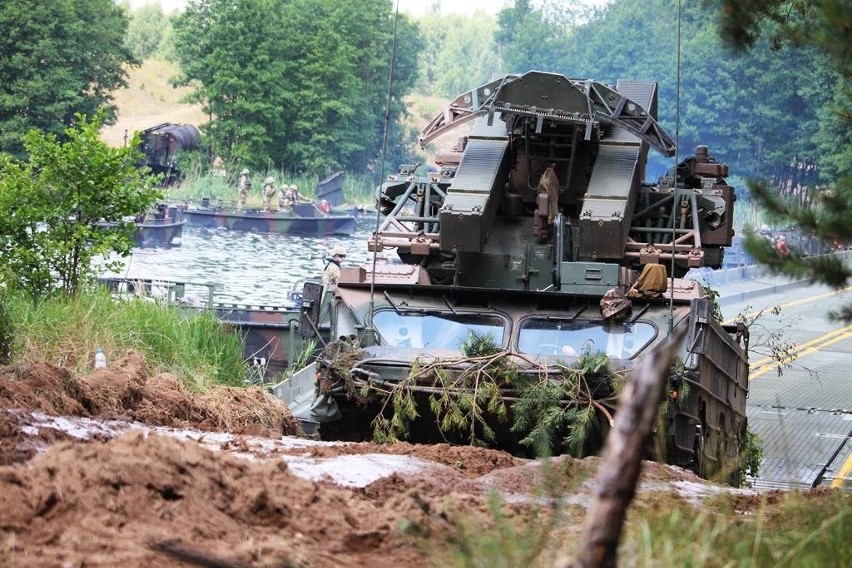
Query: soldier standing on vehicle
(331, 274)
(243, 186)
(268, 193)
(285, 199)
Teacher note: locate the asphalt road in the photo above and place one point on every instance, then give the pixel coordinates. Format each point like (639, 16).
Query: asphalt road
(801, 410)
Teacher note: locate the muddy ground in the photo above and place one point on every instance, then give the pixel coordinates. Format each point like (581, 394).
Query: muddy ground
(120, 468)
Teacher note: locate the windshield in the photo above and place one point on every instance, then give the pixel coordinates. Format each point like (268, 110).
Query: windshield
(539, 336)
(444, 331)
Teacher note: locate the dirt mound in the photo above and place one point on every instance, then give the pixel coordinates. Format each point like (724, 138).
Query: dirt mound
(126, 501)
(124, 391)
(122, 468)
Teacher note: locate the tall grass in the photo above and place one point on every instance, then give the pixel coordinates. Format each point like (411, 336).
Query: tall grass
(194, 346)
(802, 529)
(199, 182)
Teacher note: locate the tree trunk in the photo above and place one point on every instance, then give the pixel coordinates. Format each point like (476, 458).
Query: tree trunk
(622, 461)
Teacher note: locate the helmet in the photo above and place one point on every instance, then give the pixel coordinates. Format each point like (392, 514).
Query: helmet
(293, 187)
(245, 172)
(270, 180)
(338, 250)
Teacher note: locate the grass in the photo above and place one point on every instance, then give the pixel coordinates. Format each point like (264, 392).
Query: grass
(802, 529)
(194, 346)
(199, 182)
(149, 100)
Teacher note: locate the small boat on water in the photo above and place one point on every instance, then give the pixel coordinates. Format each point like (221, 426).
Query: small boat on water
(327, 216)
(255, 220)
(161, 228)
(158, 228)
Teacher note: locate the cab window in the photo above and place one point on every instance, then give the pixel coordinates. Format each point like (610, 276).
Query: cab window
(437, 331)
(542, 336)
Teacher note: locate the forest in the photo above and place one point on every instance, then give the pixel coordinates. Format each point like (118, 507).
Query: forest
(307, 84)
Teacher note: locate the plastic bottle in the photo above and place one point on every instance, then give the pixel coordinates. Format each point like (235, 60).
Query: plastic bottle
(100, 359)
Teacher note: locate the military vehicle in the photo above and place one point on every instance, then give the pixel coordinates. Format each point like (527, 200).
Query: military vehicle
(327, 215)
(162, 145)
(536, 268)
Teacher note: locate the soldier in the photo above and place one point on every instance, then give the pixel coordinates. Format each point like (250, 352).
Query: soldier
(243, 186)
(285, 199)
(331, 274)
(294, 193)
(268, 193)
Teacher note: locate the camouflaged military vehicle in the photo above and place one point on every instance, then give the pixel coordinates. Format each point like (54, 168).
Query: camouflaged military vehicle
(537, 268)
(162, 145)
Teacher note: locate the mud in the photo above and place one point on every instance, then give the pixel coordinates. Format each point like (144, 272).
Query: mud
(122, 468)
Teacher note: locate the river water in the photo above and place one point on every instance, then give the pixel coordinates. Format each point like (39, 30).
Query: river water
(250, 268)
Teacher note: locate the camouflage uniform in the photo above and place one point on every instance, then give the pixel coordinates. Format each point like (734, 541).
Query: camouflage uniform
(243, 186)
(285, 200)
(268, 193)
(331, 274)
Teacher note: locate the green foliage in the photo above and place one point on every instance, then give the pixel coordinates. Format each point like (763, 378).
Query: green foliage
(7, 331)
(528, 41)
(147, 31)
(300, 84)
(60, 58)
(713, 296)
(789, 528)
(750, 458)
(807, 27)
(565, 404)
(305, 355)
(479, 345)
(55, 204)
(827, 220)
(458, 53)
(785, 529)
(192, 345)
(469, 395)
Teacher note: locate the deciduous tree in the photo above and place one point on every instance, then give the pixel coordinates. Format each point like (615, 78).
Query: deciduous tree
(826, 27)
(54, 204)
(298, 84)
(60, 58)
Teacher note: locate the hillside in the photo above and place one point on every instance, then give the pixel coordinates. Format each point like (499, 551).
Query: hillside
(150, 100)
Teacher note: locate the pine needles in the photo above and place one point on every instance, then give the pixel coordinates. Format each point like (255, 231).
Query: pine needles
(471, 395)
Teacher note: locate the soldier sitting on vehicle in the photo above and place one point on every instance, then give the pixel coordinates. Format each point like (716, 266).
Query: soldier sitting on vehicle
(297, 197)
(243, 186)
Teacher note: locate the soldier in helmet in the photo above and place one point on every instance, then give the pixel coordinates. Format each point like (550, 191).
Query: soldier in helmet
(243, 187)
(268, 193)
(331, 274)
(285, 199)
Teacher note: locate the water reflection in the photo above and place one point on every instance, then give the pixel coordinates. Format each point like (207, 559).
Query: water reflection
(252, 268)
